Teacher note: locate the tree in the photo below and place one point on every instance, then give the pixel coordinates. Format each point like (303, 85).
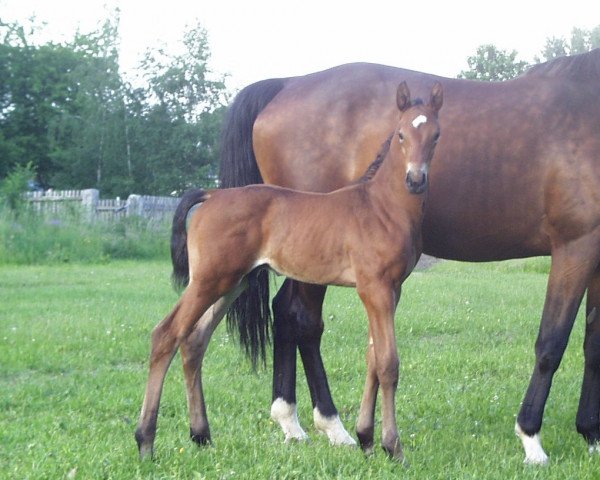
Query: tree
(183, 114)
(33, 88)
(87, 138)
(581, 41)
(66, 109)
(13, 186)
(490, 63)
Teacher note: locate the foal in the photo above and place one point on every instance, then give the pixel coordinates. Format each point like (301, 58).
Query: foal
(367, 236)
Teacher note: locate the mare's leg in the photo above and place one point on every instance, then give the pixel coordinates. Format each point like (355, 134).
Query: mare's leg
(570, 272)
(298, 323)
(365, 425)
(193, 348)
(283, 408)
(166, 337)
(380, 302)
(588, 421)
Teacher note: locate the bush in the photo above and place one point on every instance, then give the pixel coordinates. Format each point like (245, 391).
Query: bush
(32, 239)
(14, 186)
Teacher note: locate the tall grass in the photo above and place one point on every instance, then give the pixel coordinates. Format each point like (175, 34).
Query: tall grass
(74, 343)
(28, 238)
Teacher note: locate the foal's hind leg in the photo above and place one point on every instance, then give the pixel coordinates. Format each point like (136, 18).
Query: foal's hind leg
(193, 348)
(569, 275)
(165, 340)
(588, 421)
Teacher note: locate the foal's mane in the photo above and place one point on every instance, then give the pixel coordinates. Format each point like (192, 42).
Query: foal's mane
(585, 66)
(383, 151)
(372, 169)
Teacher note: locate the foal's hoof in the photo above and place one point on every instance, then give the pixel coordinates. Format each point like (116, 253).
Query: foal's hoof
(146, 452)
(365, 440)
(395, 452)
(145, 446)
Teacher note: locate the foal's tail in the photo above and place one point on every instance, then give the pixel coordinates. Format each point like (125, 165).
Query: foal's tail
(250, 314)
(179, 250)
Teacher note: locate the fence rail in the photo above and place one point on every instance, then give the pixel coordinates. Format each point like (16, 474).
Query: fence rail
(88, 203)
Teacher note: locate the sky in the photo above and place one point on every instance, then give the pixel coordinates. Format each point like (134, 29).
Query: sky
(257, 39)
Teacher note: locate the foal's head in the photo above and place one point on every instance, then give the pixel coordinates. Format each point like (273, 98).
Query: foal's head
(416, 135)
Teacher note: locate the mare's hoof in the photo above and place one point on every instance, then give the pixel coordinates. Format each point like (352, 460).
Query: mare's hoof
(594, 448)
(201, 439)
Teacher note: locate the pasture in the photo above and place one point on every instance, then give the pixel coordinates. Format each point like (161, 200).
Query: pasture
(74, 342)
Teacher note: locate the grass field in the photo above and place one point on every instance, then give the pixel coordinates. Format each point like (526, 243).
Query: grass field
(74, 341)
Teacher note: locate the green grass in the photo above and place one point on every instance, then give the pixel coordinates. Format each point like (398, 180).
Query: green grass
(74, 341)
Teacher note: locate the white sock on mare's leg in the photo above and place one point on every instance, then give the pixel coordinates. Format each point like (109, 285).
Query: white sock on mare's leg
(286, 415)
(534, 453)
(332, 427)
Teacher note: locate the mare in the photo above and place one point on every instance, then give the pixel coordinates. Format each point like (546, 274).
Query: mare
(515, 175)
(366, 236)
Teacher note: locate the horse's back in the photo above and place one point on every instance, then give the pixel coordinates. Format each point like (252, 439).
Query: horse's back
(345, 112)
(502, 147)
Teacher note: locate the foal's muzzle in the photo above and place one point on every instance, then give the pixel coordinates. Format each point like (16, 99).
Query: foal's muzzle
(416, 182)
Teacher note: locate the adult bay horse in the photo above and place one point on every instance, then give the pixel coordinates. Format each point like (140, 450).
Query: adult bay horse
(367, 236)
(516, 174)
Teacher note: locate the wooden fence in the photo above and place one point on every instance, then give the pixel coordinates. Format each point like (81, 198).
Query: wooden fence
(88, 204)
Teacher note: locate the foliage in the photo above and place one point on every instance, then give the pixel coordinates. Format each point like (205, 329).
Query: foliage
(184, 110)
(493, 64)
(13, 187)
(581, 41)
(67, 110)
(34, 239)
(74, 346)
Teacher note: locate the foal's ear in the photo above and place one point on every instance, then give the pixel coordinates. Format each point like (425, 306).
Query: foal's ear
(437, 96)
(403, 96)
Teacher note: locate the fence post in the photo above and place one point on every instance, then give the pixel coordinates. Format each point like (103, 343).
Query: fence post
(135, 205)
(89, 201)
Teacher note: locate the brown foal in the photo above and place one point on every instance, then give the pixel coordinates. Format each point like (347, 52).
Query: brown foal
(367, 235)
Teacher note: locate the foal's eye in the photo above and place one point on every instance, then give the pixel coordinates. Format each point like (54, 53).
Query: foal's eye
(400, 137)
(436, 138)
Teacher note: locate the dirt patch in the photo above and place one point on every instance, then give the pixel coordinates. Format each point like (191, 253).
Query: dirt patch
(426, 261)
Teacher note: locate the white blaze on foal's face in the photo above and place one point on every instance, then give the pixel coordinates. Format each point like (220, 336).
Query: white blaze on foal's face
(416, 123)
(419, 120)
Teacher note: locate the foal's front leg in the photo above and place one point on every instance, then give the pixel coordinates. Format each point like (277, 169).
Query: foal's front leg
(365, 425)
(380, 302)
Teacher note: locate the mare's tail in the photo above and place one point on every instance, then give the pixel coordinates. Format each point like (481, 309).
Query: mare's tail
(250, 314)
(179, 250)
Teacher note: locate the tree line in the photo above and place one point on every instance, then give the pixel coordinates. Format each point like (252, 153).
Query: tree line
(68, 115)
(69, 119)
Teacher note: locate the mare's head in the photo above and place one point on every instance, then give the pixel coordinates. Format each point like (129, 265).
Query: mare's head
(416, 135)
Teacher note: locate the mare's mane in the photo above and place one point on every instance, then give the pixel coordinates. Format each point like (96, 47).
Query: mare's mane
(585, 66)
